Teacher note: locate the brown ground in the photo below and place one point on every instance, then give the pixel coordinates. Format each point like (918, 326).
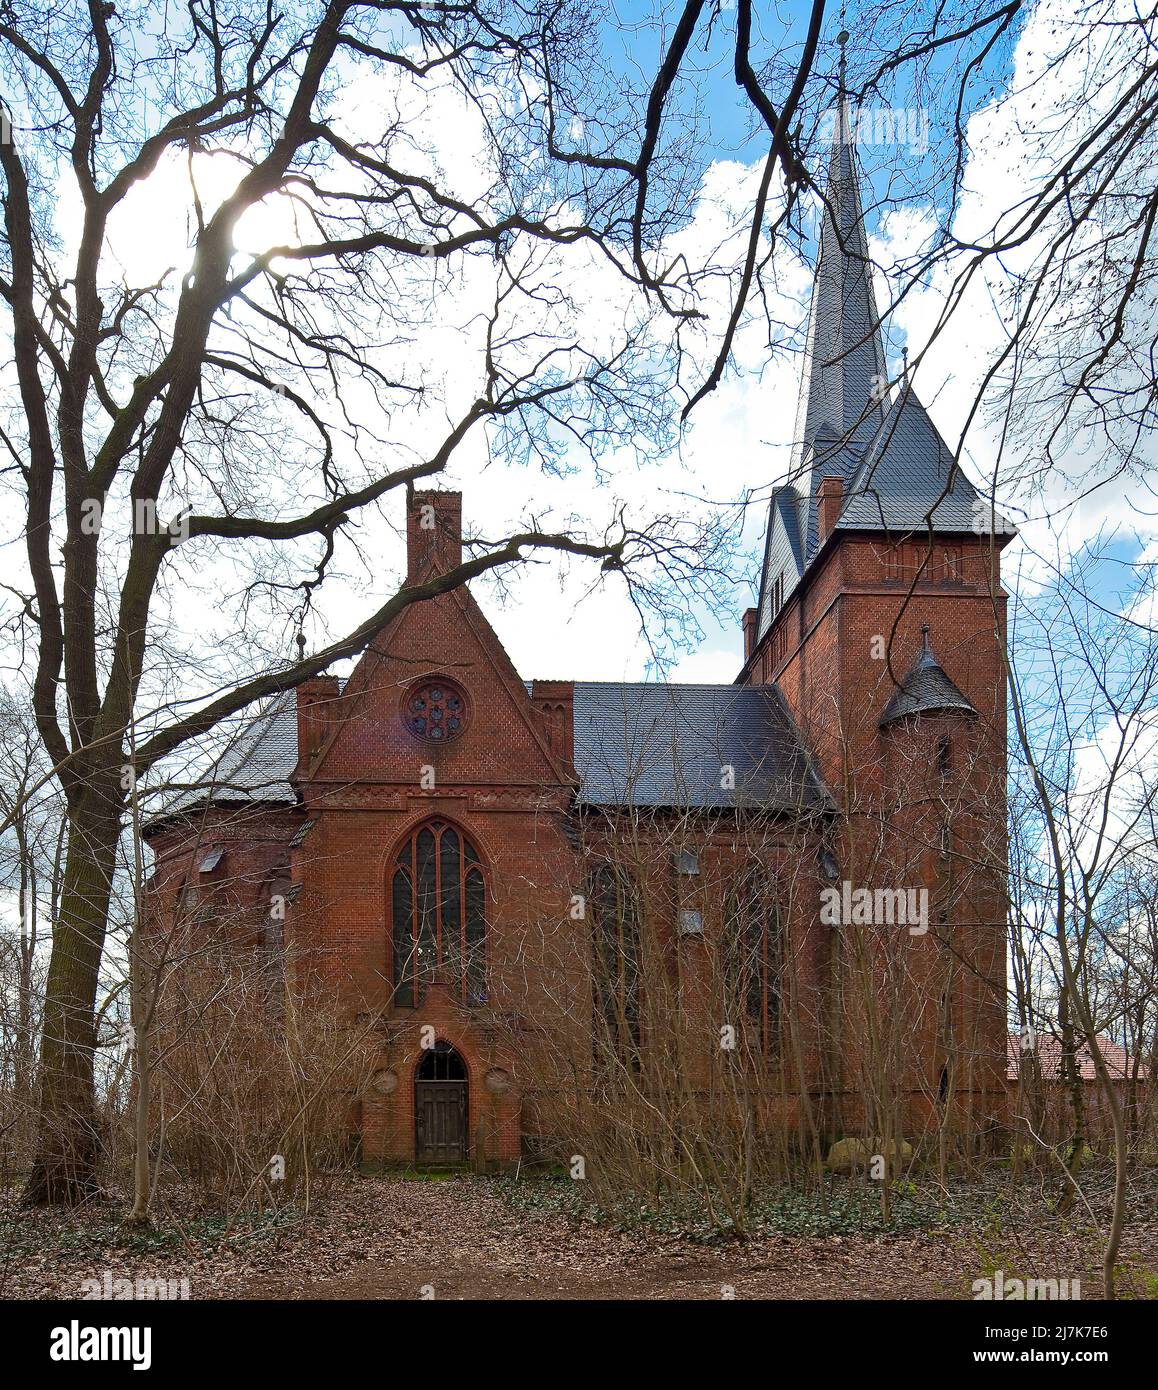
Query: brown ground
(389, 1238)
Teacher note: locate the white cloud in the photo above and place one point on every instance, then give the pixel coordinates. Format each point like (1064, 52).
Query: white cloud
(1055, 92)
(560, 619)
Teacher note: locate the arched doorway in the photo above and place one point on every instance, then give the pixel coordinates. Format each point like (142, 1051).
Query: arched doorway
(441, 1106)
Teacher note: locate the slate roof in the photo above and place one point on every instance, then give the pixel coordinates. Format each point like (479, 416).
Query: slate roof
(259, 763)
(255, 767)
(650, 744)
(660, 745)
(839, 411)
(903, 474)
(890, 456)
(783, 550)
(925, 690)
(844, 356)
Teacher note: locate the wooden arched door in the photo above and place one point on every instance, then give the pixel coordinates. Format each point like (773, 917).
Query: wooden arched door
(441, 1106)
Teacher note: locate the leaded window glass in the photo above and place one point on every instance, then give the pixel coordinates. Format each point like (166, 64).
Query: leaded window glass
(754, 956)
(438, 915)
(435, 710)
(616, 960)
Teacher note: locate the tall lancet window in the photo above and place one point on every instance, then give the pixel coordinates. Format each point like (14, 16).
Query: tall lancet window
(616, 964)
(438, 915)
(753, 964)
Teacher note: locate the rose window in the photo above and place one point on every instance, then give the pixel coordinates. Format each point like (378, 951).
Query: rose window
(435, 710)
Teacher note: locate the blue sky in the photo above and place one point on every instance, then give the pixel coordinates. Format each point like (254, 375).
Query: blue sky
(739, 436)
(727, 127)
(728, 131)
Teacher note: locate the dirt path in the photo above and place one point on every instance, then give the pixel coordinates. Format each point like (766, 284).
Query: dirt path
(458, 1239)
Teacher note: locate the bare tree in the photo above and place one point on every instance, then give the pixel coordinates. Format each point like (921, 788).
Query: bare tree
(1091, 777)
(263, 397)
(30, 858)
(248, 408)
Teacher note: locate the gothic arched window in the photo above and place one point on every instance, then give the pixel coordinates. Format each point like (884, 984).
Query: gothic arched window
(616, 962)
(438, 915)
(753, 955)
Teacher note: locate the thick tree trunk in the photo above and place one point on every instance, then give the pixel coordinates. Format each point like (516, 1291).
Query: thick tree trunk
(68, 1145)
(142, 1190)
(142, 1012)
(25, 1051)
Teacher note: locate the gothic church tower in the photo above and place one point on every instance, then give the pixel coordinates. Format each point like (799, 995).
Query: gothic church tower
(881, 618)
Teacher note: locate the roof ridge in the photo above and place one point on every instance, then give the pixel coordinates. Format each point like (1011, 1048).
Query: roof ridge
(673, 685)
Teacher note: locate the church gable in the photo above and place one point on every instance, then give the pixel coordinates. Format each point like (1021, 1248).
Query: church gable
(434, 697)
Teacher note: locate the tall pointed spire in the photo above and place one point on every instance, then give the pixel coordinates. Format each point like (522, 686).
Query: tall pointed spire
(842, 395)
(896, 472)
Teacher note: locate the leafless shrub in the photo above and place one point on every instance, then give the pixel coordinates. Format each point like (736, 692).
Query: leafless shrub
(253, 1087)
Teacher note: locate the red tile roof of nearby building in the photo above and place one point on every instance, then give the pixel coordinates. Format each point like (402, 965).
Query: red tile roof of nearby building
(1049, 1050)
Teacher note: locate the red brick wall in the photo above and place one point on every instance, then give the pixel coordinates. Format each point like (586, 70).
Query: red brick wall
(235, 893)
(821, 652)
(507, 781)
(504, 782)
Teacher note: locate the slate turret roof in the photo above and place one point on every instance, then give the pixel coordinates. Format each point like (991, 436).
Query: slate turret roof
(902, 480)
(925, 690)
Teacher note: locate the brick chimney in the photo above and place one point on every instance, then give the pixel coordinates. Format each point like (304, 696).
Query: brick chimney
(317, 707)
(830, 498)
(433, 533)
(748, 622)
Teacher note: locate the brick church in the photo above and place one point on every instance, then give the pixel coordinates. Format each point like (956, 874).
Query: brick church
(520, 887)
